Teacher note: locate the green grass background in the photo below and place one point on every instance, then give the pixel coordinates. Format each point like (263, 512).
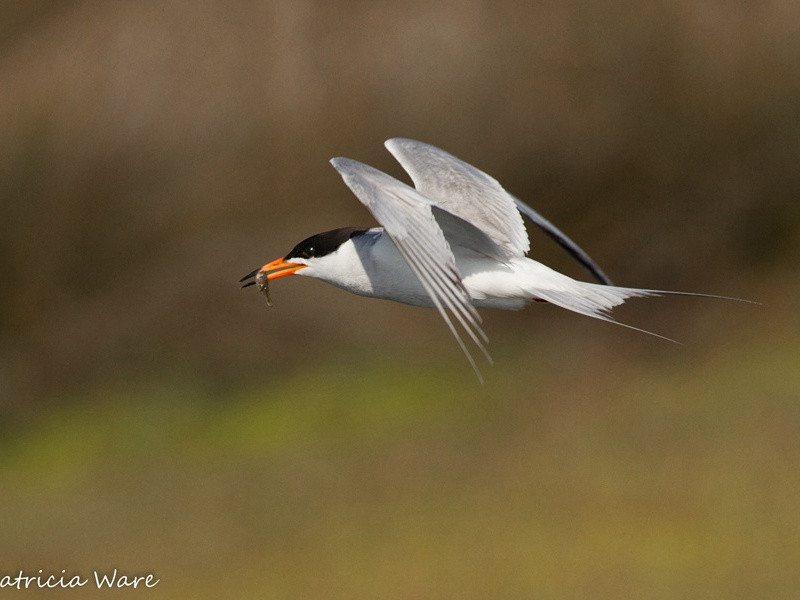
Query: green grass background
(605, 466)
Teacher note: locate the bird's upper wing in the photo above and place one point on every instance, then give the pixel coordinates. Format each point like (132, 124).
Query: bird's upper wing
(464, 191)
(480, 200)
(407, 216)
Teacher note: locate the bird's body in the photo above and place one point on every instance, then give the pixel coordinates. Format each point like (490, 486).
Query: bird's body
(369, 264)
(456, 242)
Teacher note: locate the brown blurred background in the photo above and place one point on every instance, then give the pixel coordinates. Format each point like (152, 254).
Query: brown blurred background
(154, 152)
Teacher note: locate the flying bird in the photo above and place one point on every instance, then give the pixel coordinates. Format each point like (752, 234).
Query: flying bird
(456, 241)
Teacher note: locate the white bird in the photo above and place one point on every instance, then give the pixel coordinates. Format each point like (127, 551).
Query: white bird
(456, 242)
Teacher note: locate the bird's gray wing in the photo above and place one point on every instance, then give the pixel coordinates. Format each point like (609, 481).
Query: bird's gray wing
(407, 216)
(479, 199)
(464, 191)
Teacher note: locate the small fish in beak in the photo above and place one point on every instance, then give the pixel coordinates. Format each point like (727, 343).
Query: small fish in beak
(277, 268)
(262, 281)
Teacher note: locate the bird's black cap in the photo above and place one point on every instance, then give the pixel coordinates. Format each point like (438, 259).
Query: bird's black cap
(323, 243)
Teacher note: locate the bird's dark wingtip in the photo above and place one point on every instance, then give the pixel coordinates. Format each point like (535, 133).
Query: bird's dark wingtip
(248, 284)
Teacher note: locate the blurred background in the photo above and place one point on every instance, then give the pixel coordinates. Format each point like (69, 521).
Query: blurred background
(156, 418)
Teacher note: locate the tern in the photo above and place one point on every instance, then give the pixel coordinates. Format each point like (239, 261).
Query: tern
(455, 241)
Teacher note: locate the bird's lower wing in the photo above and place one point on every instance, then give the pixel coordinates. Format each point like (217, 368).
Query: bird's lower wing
(407, 217)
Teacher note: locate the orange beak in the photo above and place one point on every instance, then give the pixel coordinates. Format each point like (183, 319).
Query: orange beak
(280, 268)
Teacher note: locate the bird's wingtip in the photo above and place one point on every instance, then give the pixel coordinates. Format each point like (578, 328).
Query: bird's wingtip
(340, 162)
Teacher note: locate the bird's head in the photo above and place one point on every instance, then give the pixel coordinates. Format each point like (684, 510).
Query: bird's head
(306, 258)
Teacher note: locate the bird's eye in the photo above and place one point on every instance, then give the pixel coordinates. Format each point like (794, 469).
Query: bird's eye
(309, 252)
